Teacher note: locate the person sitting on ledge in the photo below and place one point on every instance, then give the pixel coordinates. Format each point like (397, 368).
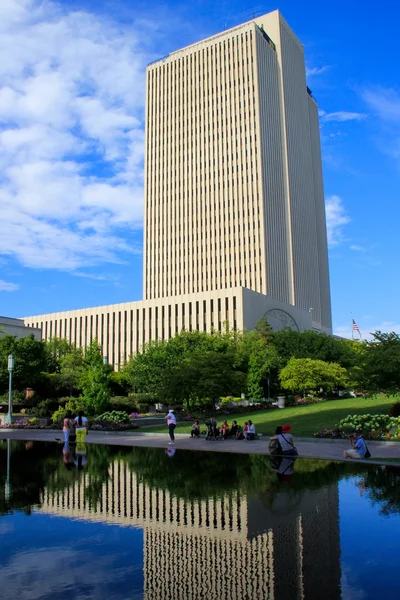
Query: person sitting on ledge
(358, 446)
(251, 432)
(195, 430)
(234, 429)
(239, 433)
(224, 430)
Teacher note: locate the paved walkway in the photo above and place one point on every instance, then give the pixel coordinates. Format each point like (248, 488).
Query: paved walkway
(307, 447)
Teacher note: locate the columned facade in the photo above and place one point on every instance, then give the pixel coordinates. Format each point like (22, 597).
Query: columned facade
(230, 547)
(234, 198)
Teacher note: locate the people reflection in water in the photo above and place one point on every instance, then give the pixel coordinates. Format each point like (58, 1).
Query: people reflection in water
(80, 456)
(170, 452)
(68, 456)
(283, 467)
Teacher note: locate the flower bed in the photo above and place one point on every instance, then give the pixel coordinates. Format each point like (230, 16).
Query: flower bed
(373, 427)
(97, 425)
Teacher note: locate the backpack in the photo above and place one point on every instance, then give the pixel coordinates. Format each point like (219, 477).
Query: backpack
(274, 447)
(367, 453)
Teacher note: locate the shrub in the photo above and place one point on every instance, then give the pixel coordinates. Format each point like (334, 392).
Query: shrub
(65, 399)
(115, 416)
(44, 409)
(124, 403)
(73, 404)
(375, 426)
(395, 410)
(108, 426)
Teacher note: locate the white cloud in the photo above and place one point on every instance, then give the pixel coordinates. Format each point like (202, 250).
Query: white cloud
(313, 71)
(7, 286)
(35, 573)
(384, 102)
(356, 248)
(341, 116)
(71, 134)
(336, 219)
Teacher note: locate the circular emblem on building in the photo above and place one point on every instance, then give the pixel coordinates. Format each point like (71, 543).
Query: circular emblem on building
(279, 319)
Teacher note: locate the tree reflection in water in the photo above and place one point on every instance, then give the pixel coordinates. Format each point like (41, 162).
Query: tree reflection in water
(190, 475)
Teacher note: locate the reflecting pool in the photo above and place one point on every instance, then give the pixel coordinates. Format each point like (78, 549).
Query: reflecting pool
(119, 523)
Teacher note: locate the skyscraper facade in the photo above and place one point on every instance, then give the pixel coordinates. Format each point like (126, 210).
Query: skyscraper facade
(234, 224)
(233, 184)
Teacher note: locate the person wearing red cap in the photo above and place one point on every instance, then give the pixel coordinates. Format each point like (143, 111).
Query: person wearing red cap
(285, 440)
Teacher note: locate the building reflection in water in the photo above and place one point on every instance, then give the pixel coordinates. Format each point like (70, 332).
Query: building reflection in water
(234, 546)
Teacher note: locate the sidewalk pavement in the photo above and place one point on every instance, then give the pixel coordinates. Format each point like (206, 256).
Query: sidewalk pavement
(307, 447)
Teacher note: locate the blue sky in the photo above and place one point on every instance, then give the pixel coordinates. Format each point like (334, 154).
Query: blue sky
(71, 145)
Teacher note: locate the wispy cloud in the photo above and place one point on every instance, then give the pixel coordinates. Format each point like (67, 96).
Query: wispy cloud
(341, 116)
(357, 248)
(384, 103)
(336, 219)
(110, 277)
(71, 134)
(7, 286)
(313, 71)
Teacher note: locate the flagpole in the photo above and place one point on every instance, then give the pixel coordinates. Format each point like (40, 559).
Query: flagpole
(352, 328)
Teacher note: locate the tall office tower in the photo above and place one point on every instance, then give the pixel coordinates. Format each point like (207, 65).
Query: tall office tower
(233, 176)
(234, 227)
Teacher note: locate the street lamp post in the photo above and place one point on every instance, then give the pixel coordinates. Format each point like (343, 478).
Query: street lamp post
(10, 394)
(8, 480)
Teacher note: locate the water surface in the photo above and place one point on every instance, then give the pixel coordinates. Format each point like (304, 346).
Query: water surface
(119, 523)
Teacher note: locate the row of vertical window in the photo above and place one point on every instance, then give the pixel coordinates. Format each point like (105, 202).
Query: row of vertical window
(107, 327)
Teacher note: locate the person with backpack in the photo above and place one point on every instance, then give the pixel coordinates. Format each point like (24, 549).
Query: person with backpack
(358, 447)
(281, 444)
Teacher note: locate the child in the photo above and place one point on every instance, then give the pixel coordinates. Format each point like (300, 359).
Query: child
(245, 430)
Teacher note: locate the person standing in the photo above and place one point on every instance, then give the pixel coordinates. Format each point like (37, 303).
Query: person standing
(82, 426)
(67, 427)
(171, 422)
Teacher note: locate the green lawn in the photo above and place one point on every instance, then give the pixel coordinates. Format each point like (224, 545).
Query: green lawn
(306, 420)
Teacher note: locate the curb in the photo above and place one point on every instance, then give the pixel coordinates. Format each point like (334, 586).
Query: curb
(321, 441)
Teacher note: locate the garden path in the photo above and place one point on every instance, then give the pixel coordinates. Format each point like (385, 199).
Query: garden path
(307, 447)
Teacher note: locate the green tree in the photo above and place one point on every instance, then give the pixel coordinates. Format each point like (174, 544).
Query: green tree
(56, 348)
(72, 369)
(381, 362)
(263, 363)
(94, 380)
(30, 362)
(305, 373)
(310, 344)
(190, 366)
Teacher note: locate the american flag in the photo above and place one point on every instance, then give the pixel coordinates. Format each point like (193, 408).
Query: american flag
(355, 326)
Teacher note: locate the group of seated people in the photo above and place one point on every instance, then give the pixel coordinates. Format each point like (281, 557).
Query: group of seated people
(247, 432)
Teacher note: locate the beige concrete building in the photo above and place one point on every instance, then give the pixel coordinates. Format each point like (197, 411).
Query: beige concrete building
(18, 327)
(228, 547)
(234, 199)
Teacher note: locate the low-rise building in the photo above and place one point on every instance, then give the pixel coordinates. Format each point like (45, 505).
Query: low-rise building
(11, 326)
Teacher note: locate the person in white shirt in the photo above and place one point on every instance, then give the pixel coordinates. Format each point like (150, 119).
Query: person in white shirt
(81, 427)
(251, 432)
(285, 439)
(171, 422)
